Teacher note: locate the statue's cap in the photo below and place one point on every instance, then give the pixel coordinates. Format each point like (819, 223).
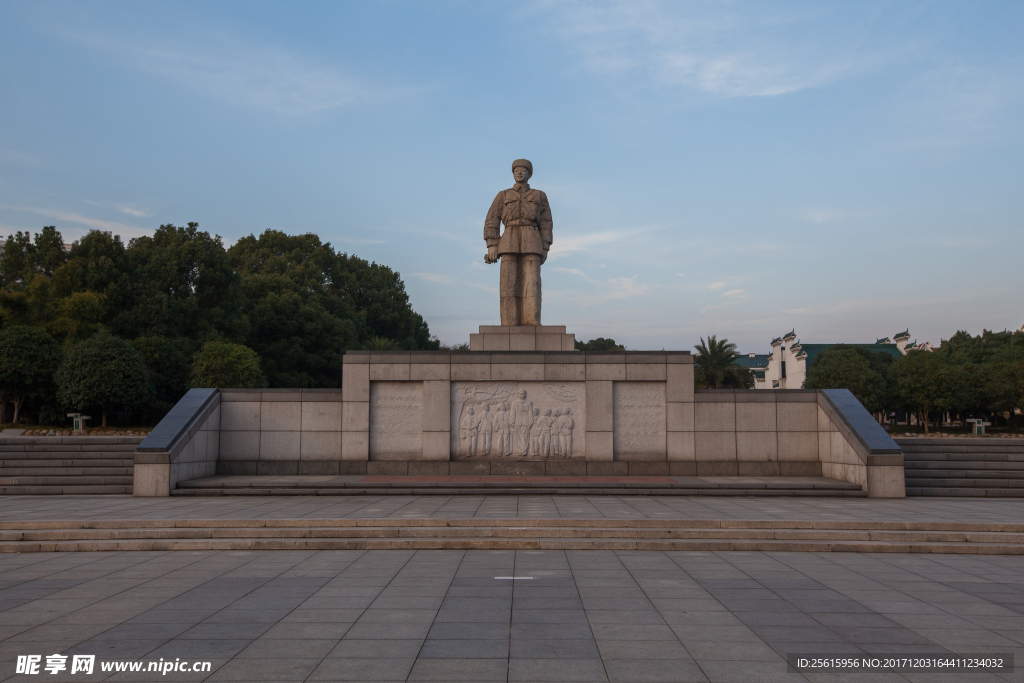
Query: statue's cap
(523, 162)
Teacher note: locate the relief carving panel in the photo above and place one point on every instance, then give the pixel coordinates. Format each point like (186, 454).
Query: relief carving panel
(638, 415)
(396, 420)
(518, 420)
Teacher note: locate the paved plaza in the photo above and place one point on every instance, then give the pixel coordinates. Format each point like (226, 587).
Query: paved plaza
(444, 616)
(459, 615)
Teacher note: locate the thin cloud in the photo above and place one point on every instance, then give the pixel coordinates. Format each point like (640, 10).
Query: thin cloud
(250, 75)
(716, 285)
(744, 50)
(357, 240)
(436, 278)
(132, 211)
(570, 271)
(9, 156)
(95, 223)
(736, 294)
(572, 243)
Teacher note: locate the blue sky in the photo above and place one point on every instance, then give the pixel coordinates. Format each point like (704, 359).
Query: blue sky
(850, 169)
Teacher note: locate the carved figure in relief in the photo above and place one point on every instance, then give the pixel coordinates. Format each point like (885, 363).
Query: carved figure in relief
(535, 430)
(566, 425)
(522, 420)
(469, 427)
(501, 427)
(522, 248)
(544, 427)
(486, 430)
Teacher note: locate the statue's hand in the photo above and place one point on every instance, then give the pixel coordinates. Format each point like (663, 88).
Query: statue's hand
(544, 257)
(492, 255)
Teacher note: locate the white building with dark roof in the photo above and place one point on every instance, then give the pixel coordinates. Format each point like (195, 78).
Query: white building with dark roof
(786, 366)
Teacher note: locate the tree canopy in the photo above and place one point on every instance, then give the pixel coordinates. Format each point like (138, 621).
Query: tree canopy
(220, 364)
(967, 376)
(29, 357)
(867, 374)
(599, 344)
(714, 366)
(102, 371)
(292, 299)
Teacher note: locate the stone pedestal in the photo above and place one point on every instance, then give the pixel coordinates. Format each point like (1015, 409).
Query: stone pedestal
(522, 338)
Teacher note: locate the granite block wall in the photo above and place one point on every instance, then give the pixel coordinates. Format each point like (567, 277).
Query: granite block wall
(632, 413)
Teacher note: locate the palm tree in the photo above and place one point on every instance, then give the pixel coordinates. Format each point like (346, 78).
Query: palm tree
(715, 365)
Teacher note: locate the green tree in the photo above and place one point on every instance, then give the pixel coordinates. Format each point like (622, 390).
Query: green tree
(715, 368)
(867, 374)
(922, 384)
(370, 295)
(170, 364)
(220, 364)
(599, 344)
(103, 371)
(28, 359)
(182, 284)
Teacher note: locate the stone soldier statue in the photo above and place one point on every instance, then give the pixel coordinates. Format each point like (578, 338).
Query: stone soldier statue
(522, 248)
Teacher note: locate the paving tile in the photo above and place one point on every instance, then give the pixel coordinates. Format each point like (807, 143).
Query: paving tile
(551, 631)
(481, 670)
(283, 670)
(392, 648)
(748, 651)
(552, 616)
(198, 649)
(752, 672)
(364, 669)
(471, 631)
(361, 631)
(556, 671)
(276, 648)
(298, 630)
(465, 648)
(632, 632)
(642, 649)
(231, 631)
(654, 671)
(553, 649)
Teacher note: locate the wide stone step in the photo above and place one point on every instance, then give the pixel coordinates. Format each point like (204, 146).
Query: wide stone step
(66, 479)
(964, 457)
(519, 492)
(64, 471)
(963, 465)
(964, 492)
(960, 482)
(68, 448)
(77, 462)
(65, 490)
(964, 474)
(508, 485)
(69, 455)
(644, 534)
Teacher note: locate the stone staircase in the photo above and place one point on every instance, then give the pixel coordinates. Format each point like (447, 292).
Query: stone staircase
(515, 534)
(495, 485)
(969, 467)
(69, 465)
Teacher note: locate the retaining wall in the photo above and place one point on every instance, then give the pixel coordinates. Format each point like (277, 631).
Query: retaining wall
(632, 413)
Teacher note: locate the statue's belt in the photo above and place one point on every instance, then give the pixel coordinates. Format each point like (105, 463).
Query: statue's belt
(521, 224)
